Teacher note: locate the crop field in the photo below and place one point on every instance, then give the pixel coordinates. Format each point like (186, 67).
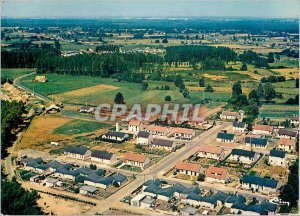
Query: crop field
(14, 73)
(281, 112)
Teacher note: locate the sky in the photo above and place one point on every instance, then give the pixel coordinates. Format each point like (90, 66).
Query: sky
(150, 8)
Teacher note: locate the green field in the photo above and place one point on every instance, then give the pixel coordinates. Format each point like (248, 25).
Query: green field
(14, 72)
(79, 127)
(278, 111)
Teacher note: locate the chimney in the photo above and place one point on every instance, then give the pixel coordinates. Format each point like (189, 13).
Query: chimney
(117, 127)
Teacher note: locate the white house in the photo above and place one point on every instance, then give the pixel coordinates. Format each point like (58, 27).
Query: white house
(103, 157)
(138, 160)
(80, 153)
(229, 115)
(183, 133)
(114, 136)
(295, 121)
(87, 109)
(144, 138)
(156, 130)
(217, 174)
(211, 152)
(278, 158)
(259, 184)
(243, 156)
(239, 126)
(226, 137)
(134, 125)
(187, 168)
(88, 190)
(163, 144)
(283, 133)
(262, 129)
(287, 145)
(256, 142)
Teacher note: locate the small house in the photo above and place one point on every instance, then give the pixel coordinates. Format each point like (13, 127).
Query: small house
(225, 137)
(287, 145)
(134, 125)
(259, 184)
(262, 129)
(144, 138)
(76, 152)
(88, 190)
(256, 142)
(138, 160)
(164, 144)
(187, 168)
(228, 115)
(243, 156)
(87, 109)
(103, 157)
(183, 133)
(278, 158)
(239, 126)
(211, 152)
(283, 133)
(156, 130)
(217, 174)
(114, 136)
(40, 79)
(53, 109)
(295, 121)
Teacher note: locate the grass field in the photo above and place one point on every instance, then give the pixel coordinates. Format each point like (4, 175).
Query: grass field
(278, 111)
(78, 127)
(14, 72)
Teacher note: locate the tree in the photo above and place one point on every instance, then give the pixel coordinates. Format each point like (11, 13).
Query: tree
(165, 40)
(253, 95)
(119, 99)
(209, 88)
(201, 177)
(269, 92)
(236, 89)
(168, 98)
(185, 93)
(15, 200)
(260, 91)
(79, 179)
(271, 57)
(202, 82)
(290, 101)
(244, 67)
(93, 166)
(297, 83)
(241, 101)
(157, 41)
(145, 86)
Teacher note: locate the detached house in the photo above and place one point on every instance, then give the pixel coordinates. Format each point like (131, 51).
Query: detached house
(217, 174)
(228, 115)
(262, 129)
(157, 130)
(103, 157)
(295, 121)
(239, 126)
(114, 136)
(183, 133)
(134, 125)
(138, 160)
(144, 138)
(278, 158)
(188, 168)
(256, 142)
(287, 145)
(283, 133)
(211, 152)
(259, 184)
(164, 144)
(81, 153)
(87, 109)
(243, 156)
(225, 137)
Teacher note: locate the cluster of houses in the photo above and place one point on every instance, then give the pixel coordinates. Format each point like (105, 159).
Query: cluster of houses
(15, 94)
(54, 171)
(193, 198)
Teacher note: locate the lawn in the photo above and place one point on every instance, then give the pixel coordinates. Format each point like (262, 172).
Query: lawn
(13, 73)
(131, 168)
(79, 127)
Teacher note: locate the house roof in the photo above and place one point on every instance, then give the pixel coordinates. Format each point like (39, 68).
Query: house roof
(236, 198)
(286, 141)
(52, 180)
(284, 132)
(216, 172)
(161, 142)
(190, 210)
(134, 122)
(152, 182)
(183, 130)
(64, 171)
(277, 153)
(88, 188)
(271, 183)
(118, 177)
(227, 136)
(229, 113)
(188, 166)
(85, 170)
(76, 150)
(256, 141)
(116, 134)
(143, 134)
(135, 157)
(221, 196)
(102, 154)
(157, 128)
(295, 118)
(194, 196)
(242, 152)
(263, 127)
(86, 108)
(210, 149)
(269, 206)
(209, 199)
(239, 124)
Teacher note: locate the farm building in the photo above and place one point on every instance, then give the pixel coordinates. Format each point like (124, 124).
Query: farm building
(278, 158)
(259, 184)
(283, 133)
(53, 109)
(287, 145)
(144, 138)
(103, 157)
(183, 133)
(138, 160)
(164, 144)
(40, 79)
(188, 168)
(114, 136)
(217, 174)
(243, 156)
(256, 142)
(211, 152)
(81, 153)
(87, 109)
(239, 126)
(225, 137)
(262, 129)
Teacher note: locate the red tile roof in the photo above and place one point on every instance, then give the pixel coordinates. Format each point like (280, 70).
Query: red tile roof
(263, 127)
(188, 166)
(135, 157)
(210, 149)
(157, 128)
(216, 172)
(286, 141)
(182, 130)
(134, 123)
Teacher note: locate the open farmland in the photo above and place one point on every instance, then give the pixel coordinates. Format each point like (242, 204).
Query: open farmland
(14, 73)
(280, 112)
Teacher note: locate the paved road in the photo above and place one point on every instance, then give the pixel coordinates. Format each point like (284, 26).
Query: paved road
(158, 168)
(18, 83)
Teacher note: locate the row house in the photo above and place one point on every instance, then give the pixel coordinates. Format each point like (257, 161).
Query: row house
(211, 152)
(138, 160)
(262, 129)
(287, 145)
